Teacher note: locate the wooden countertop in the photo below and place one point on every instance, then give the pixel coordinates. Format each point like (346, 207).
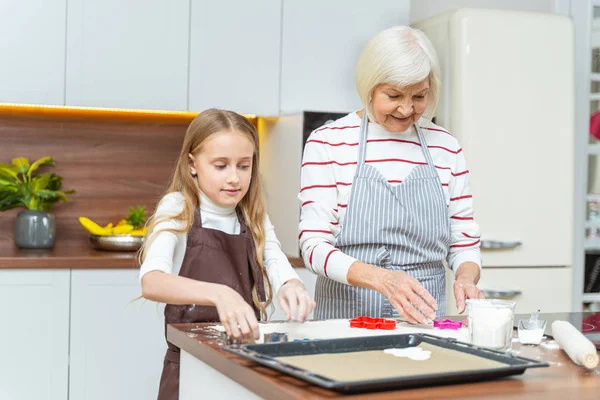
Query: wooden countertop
(562, 380)
(68, 256)
(76, 256)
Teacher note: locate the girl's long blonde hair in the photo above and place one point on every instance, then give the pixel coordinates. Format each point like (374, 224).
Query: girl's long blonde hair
(252, 206)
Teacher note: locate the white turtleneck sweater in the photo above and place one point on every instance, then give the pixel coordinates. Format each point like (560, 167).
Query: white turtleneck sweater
(167, 249)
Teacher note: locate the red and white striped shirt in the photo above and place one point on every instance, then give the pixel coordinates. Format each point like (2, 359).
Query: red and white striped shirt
(328, 168)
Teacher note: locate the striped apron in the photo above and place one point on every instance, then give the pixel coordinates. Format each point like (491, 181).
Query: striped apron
(402, 227)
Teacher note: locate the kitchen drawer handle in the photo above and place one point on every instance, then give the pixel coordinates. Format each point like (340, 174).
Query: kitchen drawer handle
(500, 293)
(499, 244)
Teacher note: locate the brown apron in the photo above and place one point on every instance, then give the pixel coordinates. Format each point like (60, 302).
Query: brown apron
(216, 257)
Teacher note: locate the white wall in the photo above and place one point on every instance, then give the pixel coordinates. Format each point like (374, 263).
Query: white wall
(423, 9)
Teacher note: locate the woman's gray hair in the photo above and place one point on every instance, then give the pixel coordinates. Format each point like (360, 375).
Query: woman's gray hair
(400, 56)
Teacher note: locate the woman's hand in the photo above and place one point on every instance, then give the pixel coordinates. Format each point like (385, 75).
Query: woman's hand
(295, 301)
(403, 291)
(465, 289)
(237, 316)
(408, 296)
(465, 286)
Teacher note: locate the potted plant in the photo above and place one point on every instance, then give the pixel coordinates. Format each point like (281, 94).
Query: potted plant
(35, 226)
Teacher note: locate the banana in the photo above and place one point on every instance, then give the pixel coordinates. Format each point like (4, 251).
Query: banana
(122, 229)
(92, 227)
(139, 232)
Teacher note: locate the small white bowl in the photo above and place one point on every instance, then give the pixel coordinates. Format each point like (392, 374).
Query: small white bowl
(531, 332)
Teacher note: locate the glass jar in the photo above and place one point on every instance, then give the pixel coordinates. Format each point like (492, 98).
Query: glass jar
(491, 323)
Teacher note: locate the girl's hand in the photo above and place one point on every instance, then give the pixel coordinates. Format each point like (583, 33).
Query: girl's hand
(295, 301)
(465, 288)
(407, 296)
(237, 316)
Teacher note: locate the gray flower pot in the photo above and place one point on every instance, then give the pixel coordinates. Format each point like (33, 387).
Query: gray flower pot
(35, 230)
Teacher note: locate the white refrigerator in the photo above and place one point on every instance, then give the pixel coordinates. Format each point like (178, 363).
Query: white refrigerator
(508, 96)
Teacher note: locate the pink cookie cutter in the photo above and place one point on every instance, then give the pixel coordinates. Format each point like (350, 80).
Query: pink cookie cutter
(447, 324)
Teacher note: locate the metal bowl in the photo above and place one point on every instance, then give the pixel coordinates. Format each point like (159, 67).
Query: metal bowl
(117, 242)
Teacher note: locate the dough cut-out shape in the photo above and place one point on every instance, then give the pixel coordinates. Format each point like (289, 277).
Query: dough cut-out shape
(413, 353)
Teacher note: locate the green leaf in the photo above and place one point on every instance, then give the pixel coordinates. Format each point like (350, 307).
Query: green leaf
(21, 163)
(41, 182)
(39, 163)
(5, 183)
(55, 182)
(62, 196)
(47, 194)
(32, 203)
(18, 188)
(7, 171)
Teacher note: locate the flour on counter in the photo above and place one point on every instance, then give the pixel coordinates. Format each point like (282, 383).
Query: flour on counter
(551, 345)
(219, 328)
(340, 328)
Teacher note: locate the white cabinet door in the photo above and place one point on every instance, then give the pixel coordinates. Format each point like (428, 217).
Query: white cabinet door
(117, 347)
(546, 289)
(32, 70)
(127, 54)
(34, 339)
(321, 42)
(235, 55)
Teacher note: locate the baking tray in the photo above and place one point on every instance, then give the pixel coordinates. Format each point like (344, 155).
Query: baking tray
(268, 354)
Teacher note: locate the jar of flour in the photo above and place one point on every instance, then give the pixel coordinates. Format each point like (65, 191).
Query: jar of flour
(491, 323)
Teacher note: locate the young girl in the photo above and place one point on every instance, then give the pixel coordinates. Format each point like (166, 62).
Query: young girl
(211, 252)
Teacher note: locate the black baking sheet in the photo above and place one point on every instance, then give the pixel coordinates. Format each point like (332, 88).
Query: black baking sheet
(267, 354)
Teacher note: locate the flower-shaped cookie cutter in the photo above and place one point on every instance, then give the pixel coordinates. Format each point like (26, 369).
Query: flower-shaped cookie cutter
(372, 323)
(447, 324)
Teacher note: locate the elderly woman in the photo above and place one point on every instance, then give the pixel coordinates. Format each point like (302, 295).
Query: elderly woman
(385, 194)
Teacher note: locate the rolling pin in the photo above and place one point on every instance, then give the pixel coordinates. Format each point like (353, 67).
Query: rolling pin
(578, 347)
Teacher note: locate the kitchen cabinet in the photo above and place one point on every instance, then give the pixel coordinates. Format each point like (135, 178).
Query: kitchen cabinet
(321, 42)
(131, 54)
(235, 51)
(32, 70)
(34, 339)
(117, 346)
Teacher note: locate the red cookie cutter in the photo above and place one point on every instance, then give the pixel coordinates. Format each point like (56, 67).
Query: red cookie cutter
(372, 323)
(447, 324)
